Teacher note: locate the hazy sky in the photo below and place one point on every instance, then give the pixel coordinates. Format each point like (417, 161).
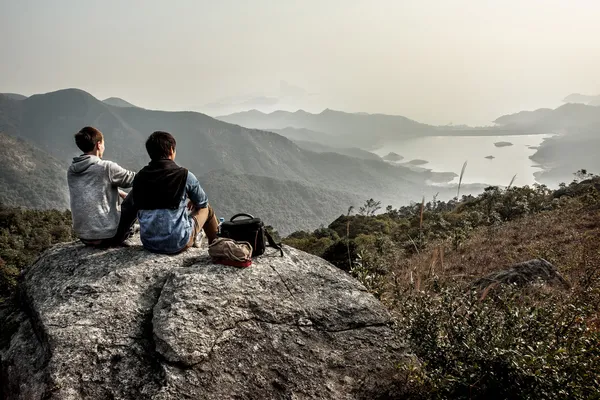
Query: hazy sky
(460, 61)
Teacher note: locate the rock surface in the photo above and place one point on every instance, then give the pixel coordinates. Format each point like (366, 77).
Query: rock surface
(127, 324)
(503, 144)
(525, 273)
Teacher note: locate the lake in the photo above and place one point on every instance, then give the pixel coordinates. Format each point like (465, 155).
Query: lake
(448, 153)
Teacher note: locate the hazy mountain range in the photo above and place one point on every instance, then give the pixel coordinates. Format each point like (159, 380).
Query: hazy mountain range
(244, 170)
(582, 98)
(357, 129)
(577, 127)
(305, 173)
(363, 130)
(575, 146)
(287, 97)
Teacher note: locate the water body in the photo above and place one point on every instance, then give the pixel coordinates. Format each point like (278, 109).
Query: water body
(448, 153)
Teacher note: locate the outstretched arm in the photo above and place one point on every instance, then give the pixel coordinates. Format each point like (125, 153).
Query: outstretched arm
(119, 176)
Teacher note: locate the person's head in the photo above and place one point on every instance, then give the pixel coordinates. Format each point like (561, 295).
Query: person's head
(161, 146)
(90, 141)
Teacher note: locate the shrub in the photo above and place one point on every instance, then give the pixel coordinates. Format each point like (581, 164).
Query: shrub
(531, 344)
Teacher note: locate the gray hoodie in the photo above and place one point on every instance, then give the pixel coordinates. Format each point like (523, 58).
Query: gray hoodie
(95, 201)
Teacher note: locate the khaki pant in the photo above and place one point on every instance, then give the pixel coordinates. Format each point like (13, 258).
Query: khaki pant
(203, 221)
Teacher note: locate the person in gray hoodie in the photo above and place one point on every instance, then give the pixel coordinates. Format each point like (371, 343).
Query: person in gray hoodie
(102, 214)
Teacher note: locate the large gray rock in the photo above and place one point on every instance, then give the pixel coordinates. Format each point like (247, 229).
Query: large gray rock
(536, 270)
(127, 324)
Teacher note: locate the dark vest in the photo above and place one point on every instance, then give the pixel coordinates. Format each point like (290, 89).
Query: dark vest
(159, 185)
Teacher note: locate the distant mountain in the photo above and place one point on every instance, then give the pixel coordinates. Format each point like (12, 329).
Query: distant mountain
(29, 177)
(14, 96)
(320, 181)
(582, 98)
(359, 129)
(524, 118)
(363, 130)
(117, 102)
(575, 147)
(569, 118)
(348, 151)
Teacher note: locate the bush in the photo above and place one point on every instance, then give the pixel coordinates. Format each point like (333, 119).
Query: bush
(528, 345)
(24, 234)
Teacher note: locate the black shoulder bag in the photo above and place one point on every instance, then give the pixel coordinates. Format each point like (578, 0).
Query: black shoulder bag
(250, 230)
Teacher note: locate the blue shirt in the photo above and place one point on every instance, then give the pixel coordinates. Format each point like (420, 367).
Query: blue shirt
(166, 230)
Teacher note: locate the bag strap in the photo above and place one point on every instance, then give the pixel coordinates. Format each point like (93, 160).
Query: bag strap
(241, 215)
(272, 242)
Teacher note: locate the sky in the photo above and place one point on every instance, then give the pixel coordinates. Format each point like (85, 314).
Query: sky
(439, 62)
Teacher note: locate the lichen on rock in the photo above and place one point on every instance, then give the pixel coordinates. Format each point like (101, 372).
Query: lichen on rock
(125, 323)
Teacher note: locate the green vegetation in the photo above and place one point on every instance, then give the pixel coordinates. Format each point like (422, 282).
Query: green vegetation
(502, 342)
(517, 344)
(421, 260)
(24, 234)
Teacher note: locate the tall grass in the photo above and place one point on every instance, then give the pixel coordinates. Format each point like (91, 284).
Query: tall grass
(350, 209)
(512, 181)
(462, 172)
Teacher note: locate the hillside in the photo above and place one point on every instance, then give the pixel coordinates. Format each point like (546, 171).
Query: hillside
(14, 96)
(205, 145)
(523, 118)
(29, 177)
(306, 135)
(347, 151)
(520, 332)
(569, 118)
(323, 143)
(117, 102)
(578, 129)
(287, 205)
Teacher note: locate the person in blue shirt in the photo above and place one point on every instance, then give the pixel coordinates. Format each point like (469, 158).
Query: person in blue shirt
(172, 207)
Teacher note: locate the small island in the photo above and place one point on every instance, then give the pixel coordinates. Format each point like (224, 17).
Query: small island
(503, 144)
(490, 157)
(391, 156)
(418, 162)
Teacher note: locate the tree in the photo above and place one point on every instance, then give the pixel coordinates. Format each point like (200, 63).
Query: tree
(369, 208)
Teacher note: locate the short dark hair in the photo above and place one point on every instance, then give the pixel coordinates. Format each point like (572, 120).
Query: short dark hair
(160, 144)
(87, 138)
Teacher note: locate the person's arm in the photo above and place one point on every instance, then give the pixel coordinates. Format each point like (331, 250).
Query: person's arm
(195, 192)
(119, 176)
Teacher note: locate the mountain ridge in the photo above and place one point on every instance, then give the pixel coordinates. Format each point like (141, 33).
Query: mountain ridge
(206, 144)
(117, 102)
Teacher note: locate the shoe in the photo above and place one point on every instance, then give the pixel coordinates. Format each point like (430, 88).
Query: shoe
(128, 243)
(198, 239)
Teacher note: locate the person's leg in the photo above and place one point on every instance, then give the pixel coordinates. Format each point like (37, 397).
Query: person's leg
(195, 229)
(128, 218)
(205, 217)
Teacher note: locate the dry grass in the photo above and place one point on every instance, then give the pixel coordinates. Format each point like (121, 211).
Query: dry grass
(568, 238)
